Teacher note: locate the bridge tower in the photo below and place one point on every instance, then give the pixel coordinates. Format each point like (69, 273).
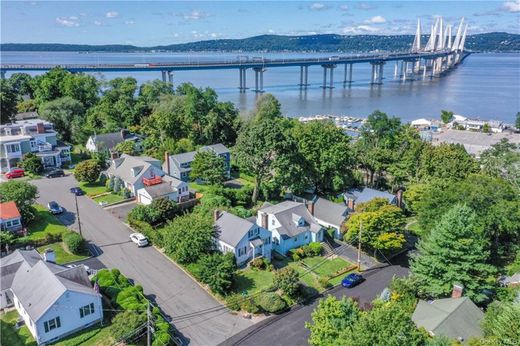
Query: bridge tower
(416, 46)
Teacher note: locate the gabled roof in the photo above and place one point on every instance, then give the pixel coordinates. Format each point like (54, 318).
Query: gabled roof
(231, 228)
(330, 212)
(285, 214)
(122, 167)
(159, 190)
(8, 210)
(367, 194)
(110, 140)
(190, 156)
(452, 317)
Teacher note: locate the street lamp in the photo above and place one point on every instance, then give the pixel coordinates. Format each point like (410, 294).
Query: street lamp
(77, 213)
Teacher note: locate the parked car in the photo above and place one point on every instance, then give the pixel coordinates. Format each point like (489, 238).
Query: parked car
(54, 208)
(139, 239)
(15, 173)
(77, 191)
(55, 173)
(352, 280)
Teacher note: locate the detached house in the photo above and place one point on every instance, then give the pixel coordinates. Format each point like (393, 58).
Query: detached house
(107, 141)
(145, 179)
(245, 239)
(10, 218)
(329, 214)
(179, 165)
(31, 136)
(366, 194)
(54, 301)
(291, 224)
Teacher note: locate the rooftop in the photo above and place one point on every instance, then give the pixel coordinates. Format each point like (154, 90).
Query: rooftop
(330, 212)
(232, 228)
(190, 156)
(287, 213)
(8, 210)
(367, 194)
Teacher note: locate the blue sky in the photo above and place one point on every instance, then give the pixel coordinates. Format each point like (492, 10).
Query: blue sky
(148, 23)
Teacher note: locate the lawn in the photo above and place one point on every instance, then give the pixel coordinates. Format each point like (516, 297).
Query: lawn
(108, 199)
(93, 336)
(44, 223)
(327, 267)
(92, 189)
(62, 255)
(253, 280)
(12, 337)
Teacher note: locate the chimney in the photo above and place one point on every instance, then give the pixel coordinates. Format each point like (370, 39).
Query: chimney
(49, 256)
(40, 128)
(124, 133)
(399, 198)
(458, 289)
(167, 162)
(216, 215)
(350, 204)
(264, 217)
(310, 207)
(114, 155)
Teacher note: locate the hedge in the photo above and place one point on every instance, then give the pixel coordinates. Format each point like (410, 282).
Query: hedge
(74, 243)
(271, 302)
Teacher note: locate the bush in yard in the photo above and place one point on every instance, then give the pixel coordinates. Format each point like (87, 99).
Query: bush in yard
(324, 282)
(118, 185)
(271, 302)
(125, 322)
(249, 305)
(74, 242)
(258, 263)
(32, 163)
(218, 271)
(52, 238)
(88, 171)
(233, 302)
(287, 279)
(110, 184)
(125, 193)
(165, 207)
(315, 249)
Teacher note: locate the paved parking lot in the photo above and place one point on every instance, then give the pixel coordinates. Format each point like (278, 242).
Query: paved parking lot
(199, 318)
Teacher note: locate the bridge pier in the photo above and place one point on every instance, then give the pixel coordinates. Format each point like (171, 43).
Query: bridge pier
(259, 79)
(163, 74)
(331, 81)
(170, 77)
(348, 68)
(396, 67)
(242, 86)
(304, 76)
(2, 74)
(404, 70)
(377, 73)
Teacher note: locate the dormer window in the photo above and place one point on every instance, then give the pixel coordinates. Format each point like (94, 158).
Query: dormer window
(298, 220)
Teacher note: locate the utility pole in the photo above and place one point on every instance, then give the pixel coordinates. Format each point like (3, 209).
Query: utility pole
(77, 215)
(359, 247)
(148, 327)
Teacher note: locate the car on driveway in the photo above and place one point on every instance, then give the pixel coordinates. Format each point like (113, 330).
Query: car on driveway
(54, 208)
(352, 280)
(77, 191)
(15, 173)
(139, 239)
(55, 173)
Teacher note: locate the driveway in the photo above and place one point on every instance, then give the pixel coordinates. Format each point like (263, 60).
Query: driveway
(197, 316)
(289, 329)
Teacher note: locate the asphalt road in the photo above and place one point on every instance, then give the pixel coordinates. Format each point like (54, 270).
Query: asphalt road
(289, 329)
(197, 316)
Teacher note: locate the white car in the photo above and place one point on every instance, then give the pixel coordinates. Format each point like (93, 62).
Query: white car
(139, 239)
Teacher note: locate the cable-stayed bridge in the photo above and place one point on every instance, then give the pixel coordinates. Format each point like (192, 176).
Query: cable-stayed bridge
(441, 53)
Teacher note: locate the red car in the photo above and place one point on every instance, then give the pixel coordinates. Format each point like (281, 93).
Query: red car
(15, 173)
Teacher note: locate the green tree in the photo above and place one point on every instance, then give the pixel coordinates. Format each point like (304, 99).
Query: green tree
(68, 117)
(8, 100)
(403, 168)
(208, 167)
(502, 324)
(267, 106)
(165, 207)
(454, 252)
(48, 86)
(326, 156)
(332, 321)
(24, 106)
(32, 163)
(23, 194)
(81, 87)
(517, 121)
(446, 116)
(486, 128)
(126, 147)
(88, 171)
(22, 84)
(288, 280)
(188, 246)
(149, 95)
(218, 271)
(390, 241)
(124, 323)
(446, 161)
(271, 302)
(502, 160)
(7, 239)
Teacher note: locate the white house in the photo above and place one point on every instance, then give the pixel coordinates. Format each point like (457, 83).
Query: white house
(107, 141)
(244, 238)
(145, 179)
(291, 225)
(10, 218)
(328, 214)
(54, 301)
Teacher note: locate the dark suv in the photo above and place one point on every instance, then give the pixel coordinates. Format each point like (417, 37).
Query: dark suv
(55, 173)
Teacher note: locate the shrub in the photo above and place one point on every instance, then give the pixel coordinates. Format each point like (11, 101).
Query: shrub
(324, 282)
(125, 193)
(258, 263)
(88, 171)
(124, 323)
(287, 279)
(52, 238)
(271, 302)
(218, 271)
(249, 305)
(233, 302)
(110, 184)
(74, 242)
(117, 184)
(315, 249)
(32, 163)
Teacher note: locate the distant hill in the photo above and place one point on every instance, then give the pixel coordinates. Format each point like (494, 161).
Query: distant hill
(494, 42)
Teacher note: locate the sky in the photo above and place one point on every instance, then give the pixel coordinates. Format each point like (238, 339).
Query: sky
(149, 23)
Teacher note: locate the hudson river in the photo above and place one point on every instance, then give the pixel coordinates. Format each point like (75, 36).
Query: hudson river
(485, 86)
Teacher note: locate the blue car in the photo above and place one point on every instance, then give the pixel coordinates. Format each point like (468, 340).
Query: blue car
(77, 191)
(351, 280)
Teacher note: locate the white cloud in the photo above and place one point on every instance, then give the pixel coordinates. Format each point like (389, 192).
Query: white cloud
(318, 6)
(343, 8)
(376, 20)
(360, 29)
(97, 22)
(112, 14)
(365, 6)
(195, 15)
(70, 22)
(129, 22)
(512, 6)
(271, 31)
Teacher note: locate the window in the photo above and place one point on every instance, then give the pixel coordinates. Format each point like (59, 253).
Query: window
(16, 222)
(8, 224)
(272, 222)
(33, 145)
(12, 148)
(52, 324)
(86, 310)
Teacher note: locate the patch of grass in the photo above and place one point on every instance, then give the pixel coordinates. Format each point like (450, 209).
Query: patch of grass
(12, 337)
(93, 336)
(253, 280)
(44, 223)
(92, 189)
(110, 198)
(62, 255)
(328, 267)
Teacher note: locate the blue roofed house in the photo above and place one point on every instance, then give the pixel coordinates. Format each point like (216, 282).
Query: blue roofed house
(366, 194)
(179, 165)
(245, 239)
(291, 224)
(54, 301)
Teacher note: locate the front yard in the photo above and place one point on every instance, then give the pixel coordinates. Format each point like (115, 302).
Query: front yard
(63, 256)
(44, 223)
(108, 199)
(93, 189)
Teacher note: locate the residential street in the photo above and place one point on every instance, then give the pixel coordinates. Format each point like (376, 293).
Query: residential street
(289, 329)
(199, 318)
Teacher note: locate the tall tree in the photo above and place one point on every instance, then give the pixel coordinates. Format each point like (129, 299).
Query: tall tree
(403, 167)
(454, 252)
(81, 87)
(208, 167)
(8, 100)
(21, 83)
(218, 271)
(23, 194)
(446, 116)
(68, 117)
(502, 160)
(268, 106)
(446, 161)
(502, 324)
(48, 86)
(149, 95)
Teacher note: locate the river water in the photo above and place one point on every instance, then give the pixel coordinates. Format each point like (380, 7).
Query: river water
(485, 86)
